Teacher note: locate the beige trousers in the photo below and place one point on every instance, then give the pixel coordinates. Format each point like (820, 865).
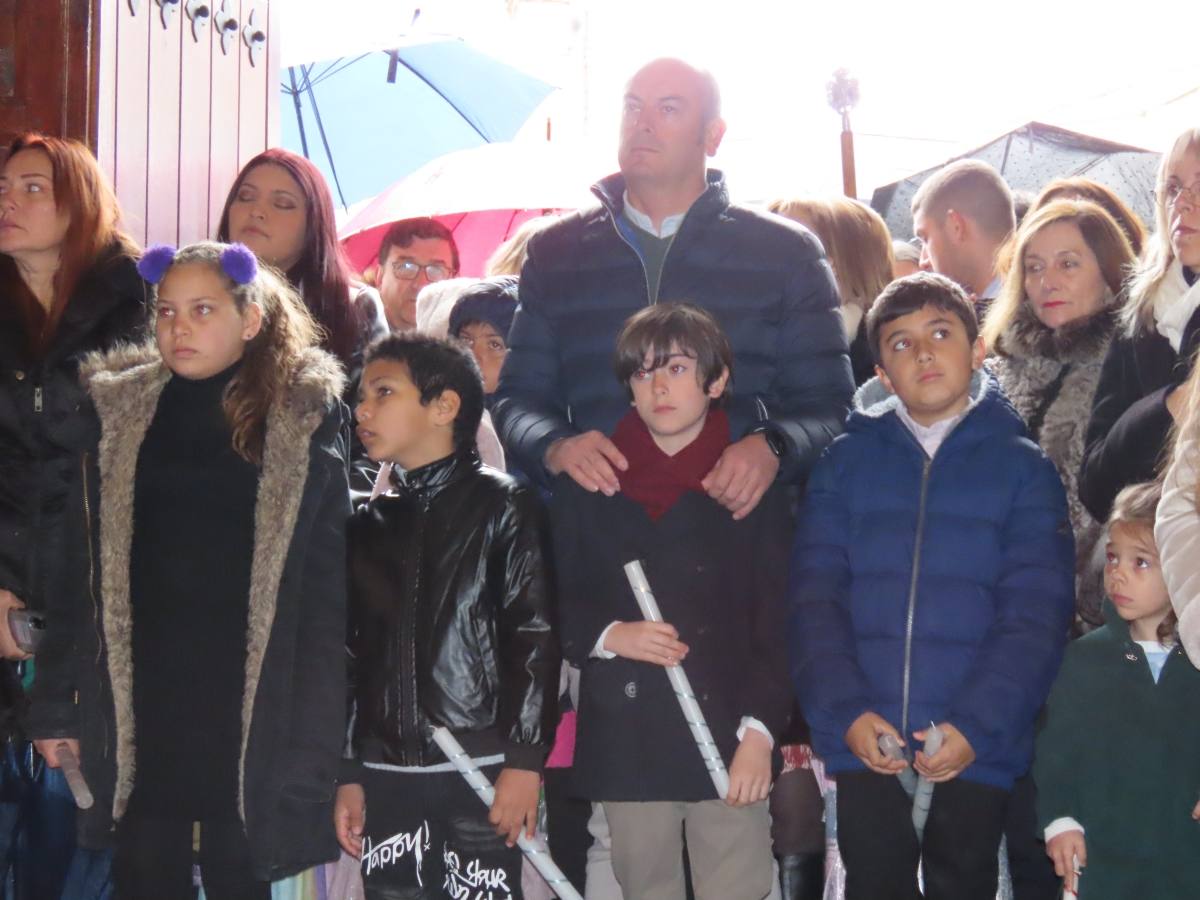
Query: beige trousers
(729, 849)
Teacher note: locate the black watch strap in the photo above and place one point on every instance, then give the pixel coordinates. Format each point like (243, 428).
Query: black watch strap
(775, 441)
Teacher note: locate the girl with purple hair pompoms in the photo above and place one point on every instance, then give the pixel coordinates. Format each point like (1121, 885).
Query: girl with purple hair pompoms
(194, 659)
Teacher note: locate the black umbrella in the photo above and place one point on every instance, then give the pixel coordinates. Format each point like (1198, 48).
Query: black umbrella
(1031, 156)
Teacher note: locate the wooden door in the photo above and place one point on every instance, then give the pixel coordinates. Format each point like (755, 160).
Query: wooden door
(46, 72)
(173, 96)
(185, 100)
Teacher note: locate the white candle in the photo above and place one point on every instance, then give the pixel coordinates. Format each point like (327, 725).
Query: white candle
(682, 687)
(923, 795)
(74, 777)
(534, 848)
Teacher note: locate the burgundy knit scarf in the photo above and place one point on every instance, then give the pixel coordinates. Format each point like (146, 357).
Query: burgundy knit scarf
(656, 480)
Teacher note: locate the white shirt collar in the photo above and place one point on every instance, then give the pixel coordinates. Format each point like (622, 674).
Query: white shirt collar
(930, 437)
(669, 226)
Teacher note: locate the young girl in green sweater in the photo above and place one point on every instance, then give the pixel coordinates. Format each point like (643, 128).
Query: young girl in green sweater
(1117, 764)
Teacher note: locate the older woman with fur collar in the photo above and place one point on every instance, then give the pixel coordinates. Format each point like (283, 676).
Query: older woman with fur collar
(1049, 332)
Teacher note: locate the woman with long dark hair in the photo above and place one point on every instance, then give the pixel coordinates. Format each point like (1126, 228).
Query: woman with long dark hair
(280, 207)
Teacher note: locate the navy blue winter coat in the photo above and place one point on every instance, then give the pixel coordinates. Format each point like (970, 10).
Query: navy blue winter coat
(932, 589)
(764, 278)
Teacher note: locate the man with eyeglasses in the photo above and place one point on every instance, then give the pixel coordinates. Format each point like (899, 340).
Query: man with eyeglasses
(414, 253)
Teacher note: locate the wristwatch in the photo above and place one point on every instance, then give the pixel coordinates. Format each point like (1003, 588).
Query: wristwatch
(776, 441)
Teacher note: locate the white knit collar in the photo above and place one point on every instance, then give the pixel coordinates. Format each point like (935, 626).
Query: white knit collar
(1174, 303)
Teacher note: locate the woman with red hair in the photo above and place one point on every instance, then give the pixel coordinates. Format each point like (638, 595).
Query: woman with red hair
(68, 287)
(280, 207)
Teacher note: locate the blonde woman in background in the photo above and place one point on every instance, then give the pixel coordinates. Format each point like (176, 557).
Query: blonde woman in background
(859, 249)
(1138, 398)
(510, 256)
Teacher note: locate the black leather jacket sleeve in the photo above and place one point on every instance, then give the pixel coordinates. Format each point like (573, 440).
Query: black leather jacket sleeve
(529, 652)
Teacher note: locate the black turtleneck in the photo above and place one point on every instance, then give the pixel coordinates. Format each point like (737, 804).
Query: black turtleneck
(193, 542)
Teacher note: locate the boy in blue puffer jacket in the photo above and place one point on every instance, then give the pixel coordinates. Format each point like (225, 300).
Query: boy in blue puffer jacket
(932, 582)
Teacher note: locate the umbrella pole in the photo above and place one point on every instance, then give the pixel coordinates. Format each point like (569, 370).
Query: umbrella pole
(299, 111)
(325, 143)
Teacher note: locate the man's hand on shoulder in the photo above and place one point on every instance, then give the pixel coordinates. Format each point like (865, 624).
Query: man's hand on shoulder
(590, 459)
(742, 475)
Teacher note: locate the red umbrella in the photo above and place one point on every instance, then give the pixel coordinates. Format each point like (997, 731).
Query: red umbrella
(482, 195)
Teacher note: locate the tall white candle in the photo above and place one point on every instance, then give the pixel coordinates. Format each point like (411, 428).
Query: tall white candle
(534, 848)
(682, 687)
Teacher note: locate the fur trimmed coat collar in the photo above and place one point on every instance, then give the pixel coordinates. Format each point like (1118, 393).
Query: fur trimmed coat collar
(293, 702)
(125, 385)
(1051, 378)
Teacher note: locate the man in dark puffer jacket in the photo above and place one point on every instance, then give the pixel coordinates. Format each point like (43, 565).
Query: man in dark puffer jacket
(665, 230)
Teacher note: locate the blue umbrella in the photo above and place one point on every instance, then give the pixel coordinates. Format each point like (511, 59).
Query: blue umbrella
(369, 120)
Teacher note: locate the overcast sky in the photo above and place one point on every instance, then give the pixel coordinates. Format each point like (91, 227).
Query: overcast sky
(936, 77)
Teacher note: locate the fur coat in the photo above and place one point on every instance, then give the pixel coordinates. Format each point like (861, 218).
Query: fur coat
(1051, 377)
(293, 705)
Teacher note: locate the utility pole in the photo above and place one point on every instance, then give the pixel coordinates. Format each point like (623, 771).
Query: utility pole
(842, 93)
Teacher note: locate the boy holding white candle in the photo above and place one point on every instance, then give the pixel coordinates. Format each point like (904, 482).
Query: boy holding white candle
(932, 581)
(451, 624)
(720, 584)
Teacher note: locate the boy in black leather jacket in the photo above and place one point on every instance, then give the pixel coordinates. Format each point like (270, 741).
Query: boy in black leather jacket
(450, 624)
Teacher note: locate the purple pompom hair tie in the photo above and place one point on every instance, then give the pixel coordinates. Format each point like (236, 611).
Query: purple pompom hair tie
(155, 261)
(239, 263)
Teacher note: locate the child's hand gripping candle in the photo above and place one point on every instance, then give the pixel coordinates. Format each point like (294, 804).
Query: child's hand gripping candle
(534, 848)
(920, 789)
(682, 687)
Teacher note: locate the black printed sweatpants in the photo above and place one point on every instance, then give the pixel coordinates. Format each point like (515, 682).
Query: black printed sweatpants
(427, 836)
